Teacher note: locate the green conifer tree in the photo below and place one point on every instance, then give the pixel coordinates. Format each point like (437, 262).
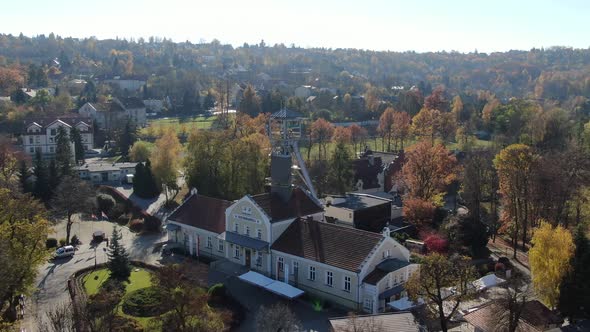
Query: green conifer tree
(118, 262)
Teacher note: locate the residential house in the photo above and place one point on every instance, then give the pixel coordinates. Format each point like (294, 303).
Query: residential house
(535, 317)
(116, 113)
(40, 134)
(376, 171)
(129, 84)
(104, 173)
(362, 211)
(392, 321)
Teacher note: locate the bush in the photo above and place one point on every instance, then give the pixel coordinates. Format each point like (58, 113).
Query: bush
(123, 220)
(62, 242)
(217, 294)
(75, 240)
(117, 211)
(499, 267)
(124, 324)
(436, 243)
(145, 302)
(136, 225)
(105, 202)
(51, 243)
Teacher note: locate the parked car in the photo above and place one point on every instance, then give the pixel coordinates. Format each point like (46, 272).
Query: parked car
(67, 251)
(98, 236)
(168, 247)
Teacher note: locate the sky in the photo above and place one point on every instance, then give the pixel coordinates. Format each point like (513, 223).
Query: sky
(410, 25)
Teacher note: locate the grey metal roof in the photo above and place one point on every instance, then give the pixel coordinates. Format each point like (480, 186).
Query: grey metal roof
(242, 240)
(104, 167)
(361, 202)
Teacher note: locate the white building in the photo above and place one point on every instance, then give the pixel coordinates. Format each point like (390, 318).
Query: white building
(116, 113)
(288, 241)
(105, 172)
(40, 134)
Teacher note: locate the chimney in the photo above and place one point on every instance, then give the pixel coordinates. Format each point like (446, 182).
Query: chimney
(386, 231)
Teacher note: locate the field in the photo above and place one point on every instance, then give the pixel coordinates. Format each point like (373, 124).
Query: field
(179, 125)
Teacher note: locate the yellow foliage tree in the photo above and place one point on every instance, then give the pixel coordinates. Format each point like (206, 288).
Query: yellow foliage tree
(166, 162)
(550, 260)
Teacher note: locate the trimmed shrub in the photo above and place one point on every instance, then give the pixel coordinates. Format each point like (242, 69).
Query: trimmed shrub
(105, 202)
(62, 242)
(51, 243)
(136, 225)
(145, 302)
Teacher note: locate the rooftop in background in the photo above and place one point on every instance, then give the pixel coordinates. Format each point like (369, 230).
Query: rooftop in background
(535, 317)
(300, 204)
(132, 102)
(357, 201)
(286, 114)
(338, 246)
(69, 119)
(104, 167)
(203, 212)
(395, 321)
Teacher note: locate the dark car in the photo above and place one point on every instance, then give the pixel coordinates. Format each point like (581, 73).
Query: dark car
(98, 236)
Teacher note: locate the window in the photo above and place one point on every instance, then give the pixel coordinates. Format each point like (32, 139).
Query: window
(50, 139)
(368, 304)
(258, 259)
(281, 262)
(30, 140)
(395, 279)
(220, 245)
(32, 149)
(329, 278)
(311, 274)
(386, 254)
(295, 267)
(388, 283)
(259, 234)
(53, 132)
(51, 149)
(209, 242)
(237, 252)
(236, 228)
(247, 230)
(346, 284)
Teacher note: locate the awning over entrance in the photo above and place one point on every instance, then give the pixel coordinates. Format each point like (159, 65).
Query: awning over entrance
(274, 286)
(243, 241)
(172, 227)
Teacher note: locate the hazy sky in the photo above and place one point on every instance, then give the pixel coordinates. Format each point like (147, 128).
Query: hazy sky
(427, 25)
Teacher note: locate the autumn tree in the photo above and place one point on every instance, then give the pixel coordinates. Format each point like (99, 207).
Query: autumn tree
(437, 100)
(427, 171)
(549, 259)
(479, 183)
(72, 196)
(401, 128)
(140, 151)
(166, 162)
(341, 135)
(386, 126)
(418, 211)
(321, 132)
(457, 108)
(515, 165)
(358, 135)
(431, 282)
(23, 232)
(426, 124)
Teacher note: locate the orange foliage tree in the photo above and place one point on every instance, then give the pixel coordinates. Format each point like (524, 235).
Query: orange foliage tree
(321, 132)
(401, 128)
(386, 126)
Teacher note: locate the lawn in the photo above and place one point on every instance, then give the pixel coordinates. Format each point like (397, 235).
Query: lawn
(140, 278)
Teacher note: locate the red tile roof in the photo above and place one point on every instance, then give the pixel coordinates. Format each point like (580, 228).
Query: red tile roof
(202, 212)
(334, 245)
(299, 205)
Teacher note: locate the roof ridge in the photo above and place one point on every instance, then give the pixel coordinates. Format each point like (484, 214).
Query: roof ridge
(348, 229)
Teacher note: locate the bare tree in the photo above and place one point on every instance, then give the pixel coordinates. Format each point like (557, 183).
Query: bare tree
(58, 319)
(507, 309)
(356, 323)
(277, 317)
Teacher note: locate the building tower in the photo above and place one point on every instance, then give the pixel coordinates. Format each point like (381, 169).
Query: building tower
(284, 130)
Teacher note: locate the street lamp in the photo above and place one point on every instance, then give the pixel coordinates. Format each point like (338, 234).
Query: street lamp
(94, 257)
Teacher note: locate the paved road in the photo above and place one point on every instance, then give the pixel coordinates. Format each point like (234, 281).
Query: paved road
(52, 279)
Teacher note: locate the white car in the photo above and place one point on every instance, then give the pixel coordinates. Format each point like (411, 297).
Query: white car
(67, 251)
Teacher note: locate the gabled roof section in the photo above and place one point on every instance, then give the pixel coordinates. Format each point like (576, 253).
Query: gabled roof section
(202, 212)
(286, 114)
(60, 122)
(338, 246)
(300, 204)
